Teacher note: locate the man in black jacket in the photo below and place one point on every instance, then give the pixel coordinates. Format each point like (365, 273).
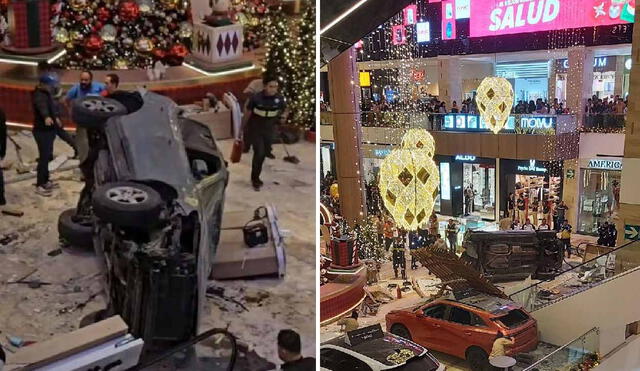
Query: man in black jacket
(45, 115)
(261, 114)
(289, 347)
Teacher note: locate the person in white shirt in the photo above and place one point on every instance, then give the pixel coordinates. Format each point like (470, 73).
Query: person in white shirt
(528, 226)
(543, 226)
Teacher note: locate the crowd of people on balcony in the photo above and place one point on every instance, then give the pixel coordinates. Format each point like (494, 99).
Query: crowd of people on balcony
(617, 105)
(540, 107)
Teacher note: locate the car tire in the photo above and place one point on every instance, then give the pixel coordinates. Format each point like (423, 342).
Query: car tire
(401, 330)
(128, 204)
(478, 359)
(74, 234)
(92, 112)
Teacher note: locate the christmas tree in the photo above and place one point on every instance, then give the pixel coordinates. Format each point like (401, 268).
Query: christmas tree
(121, 34)
(253, 14)
(303, 87)
(281, 51)
(369, 246)
(291, 57)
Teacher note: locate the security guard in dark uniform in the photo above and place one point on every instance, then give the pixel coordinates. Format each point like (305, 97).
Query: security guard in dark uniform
(399, 260)
(261, 114)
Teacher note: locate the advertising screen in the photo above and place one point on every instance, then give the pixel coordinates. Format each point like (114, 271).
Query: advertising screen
(423, 32)
(503, 17)
(448, 21)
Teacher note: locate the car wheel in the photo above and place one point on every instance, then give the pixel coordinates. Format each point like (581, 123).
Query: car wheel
(128, 204)
(77, 235)
(478, 359)
(92, 112)
(401, 331)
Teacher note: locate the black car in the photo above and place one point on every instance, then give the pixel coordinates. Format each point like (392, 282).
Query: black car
(510, 255)
(156, 207)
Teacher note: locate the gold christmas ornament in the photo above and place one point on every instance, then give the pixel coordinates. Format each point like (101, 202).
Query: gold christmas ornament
(78, 4)
(144, 45)
(409, 179)
(61, 35)
(495, 99)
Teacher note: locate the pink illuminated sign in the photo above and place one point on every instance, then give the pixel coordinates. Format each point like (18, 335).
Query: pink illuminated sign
(410, 15)
(398, 35)
(503, 17)
(448, 20)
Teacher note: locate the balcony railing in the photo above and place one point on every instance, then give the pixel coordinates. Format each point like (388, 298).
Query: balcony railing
(462, 122)
(580, 351)
(581, 277)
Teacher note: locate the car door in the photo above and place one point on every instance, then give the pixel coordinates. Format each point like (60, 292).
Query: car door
(463, 330)
(431, 319)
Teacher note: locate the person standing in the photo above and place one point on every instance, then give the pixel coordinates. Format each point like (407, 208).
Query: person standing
(521, 205)
(399, 260)
(262, 113)
(613, 235)
(45, 70)
(84, 88)
(289, 351)
(511, 203)
(565, 237)
(433, 224)
(469, 193)
(561, 211)
(452, 235)
(389, 232)
(603, 234)
(44, 133)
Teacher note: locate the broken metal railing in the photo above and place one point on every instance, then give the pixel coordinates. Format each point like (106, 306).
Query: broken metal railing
(588, 274)
(579, 351)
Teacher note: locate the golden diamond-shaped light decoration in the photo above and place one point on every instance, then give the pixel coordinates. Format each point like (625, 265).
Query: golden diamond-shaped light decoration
(494, 100)
(409, 179)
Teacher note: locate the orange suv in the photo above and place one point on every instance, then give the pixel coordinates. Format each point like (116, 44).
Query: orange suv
(466, 327)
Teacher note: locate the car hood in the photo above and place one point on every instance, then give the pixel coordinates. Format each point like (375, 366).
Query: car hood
(147, 146)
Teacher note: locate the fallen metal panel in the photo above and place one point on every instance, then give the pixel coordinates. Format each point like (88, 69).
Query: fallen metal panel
(459, 275)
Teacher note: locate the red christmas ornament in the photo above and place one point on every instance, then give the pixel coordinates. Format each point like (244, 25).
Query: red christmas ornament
(93, 44)
(103, 14)
(129, 11)
(172, 26)
(97, 26)
(158, 53)
(178, 50)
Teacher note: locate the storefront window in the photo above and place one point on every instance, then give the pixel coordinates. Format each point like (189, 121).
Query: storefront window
(599, 197)
(482, 179)
(535, 190)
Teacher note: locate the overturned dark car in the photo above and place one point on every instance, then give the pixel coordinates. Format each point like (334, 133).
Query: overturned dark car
(512, 255)
(155, 201)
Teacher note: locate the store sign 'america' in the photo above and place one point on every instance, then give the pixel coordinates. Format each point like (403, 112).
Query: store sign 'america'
(491, 17)
(605, 164)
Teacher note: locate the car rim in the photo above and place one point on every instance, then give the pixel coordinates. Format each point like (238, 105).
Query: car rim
(98, 105)
(127, 195)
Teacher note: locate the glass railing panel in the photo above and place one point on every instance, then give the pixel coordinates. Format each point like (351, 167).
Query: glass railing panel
(579, 354)
(580, 277)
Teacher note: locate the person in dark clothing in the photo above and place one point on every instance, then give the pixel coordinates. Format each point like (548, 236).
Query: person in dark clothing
(289, 348)
(511, 201)
(45, 70)
(262, 112)
(3, 153)
(603, 234)
(399, 260)
(612, 235)
(44, 132)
